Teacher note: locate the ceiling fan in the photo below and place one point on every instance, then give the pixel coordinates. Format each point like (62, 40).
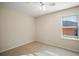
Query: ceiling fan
(44, 4)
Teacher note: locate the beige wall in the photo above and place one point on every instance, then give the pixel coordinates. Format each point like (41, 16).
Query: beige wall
(16, 28)
(49, 29)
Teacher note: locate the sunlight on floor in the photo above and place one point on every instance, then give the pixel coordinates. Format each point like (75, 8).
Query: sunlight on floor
(42, 53)
(40, 49)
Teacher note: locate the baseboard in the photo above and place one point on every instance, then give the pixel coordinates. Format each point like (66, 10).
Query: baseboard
(40, 42)
(74, 50)
(16, 46)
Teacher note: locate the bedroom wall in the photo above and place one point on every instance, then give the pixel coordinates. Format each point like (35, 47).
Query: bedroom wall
(49, 29)
(16, 28)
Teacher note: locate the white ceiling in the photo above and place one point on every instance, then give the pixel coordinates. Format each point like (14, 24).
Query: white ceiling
(33, 8)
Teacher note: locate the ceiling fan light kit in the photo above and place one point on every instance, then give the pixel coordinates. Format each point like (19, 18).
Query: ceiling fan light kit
(44, 4)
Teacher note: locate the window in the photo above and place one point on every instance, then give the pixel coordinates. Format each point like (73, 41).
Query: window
(70, 26)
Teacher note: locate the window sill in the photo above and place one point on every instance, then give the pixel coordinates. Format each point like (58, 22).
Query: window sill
(70, 38)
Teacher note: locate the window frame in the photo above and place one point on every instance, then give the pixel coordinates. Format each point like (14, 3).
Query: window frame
(62, 28)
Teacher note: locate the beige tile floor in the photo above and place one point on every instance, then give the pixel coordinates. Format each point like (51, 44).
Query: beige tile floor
(39, 49)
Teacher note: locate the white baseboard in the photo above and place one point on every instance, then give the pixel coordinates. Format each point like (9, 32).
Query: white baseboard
(75, 50)
(16, 46)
